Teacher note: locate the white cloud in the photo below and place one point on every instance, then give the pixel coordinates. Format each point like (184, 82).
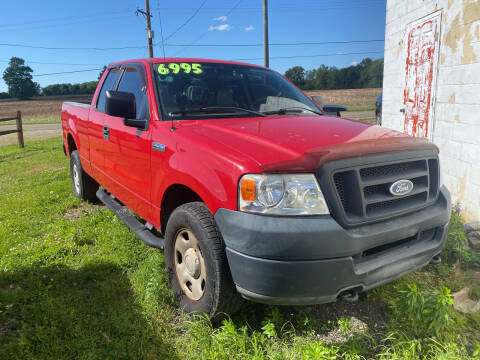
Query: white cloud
(223, 27)
(221, 18)
(249, 28)
(354, 63)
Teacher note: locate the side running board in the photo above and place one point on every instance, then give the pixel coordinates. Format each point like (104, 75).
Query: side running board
(136, 226)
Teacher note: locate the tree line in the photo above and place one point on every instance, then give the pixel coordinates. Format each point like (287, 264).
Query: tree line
(86, 88)
(366, 74)
(19, 80)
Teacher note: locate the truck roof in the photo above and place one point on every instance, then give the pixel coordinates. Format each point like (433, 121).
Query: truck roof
(180, 59)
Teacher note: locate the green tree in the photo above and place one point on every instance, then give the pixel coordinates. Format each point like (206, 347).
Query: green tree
(296, 75)
(366, 74)
(101, 73)
(18, 78)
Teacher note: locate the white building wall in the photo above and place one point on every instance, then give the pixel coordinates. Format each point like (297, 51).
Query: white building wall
(456, 106)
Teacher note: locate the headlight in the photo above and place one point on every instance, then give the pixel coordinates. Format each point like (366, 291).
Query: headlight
(290, 194)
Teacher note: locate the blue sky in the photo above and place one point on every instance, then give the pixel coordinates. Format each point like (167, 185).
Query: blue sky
(113, 24)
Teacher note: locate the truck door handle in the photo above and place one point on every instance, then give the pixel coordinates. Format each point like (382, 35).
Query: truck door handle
(106, 133)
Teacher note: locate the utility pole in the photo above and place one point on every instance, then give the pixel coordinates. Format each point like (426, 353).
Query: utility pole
(265, 33)
(147, 15)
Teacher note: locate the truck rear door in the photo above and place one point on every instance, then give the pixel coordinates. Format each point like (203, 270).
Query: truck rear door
(127, 150)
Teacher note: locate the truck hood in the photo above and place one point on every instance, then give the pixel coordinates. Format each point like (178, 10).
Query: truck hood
(300, 143)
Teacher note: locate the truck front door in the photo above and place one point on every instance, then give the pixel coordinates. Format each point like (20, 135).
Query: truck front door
(127, 150)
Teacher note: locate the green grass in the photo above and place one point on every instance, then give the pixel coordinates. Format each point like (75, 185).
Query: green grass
(75, 283)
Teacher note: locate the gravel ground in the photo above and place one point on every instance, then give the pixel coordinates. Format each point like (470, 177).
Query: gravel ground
(31, 132)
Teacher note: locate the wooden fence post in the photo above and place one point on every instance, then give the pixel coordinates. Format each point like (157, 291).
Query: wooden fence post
(20, 129)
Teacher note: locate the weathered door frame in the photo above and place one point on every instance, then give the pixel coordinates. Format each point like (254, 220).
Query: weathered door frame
(437, 15)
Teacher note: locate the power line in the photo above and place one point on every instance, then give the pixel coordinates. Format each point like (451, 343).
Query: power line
(314, 7)
(310, 56)
(29, 28)
(67, 72)
(187, 21)
(70, 48)
(190, 45)
(278, 44)
(161, 28)
(65, 18)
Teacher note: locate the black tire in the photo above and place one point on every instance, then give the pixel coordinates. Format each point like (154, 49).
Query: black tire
(219, 295)
(84, 187)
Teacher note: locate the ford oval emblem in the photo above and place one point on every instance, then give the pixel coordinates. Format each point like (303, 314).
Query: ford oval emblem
(401, 187)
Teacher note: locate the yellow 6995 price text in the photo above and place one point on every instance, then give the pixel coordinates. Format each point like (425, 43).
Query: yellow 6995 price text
(176, 68)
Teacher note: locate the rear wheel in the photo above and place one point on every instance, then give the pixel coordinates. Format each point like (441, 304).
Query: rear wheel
(197, 264)
(84, 187)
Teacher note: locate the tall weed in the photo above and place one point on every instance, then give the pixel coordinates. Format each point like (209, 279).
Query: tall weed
(456, 245)
(423, 313)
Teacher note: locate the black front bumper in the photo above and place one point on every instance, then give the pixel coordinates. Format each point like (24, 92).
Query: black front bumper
(312, 259)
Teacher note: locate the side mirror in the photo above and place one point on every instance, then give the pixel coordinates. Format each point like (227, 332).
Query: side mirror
(333, 109)
(122, 104)
(139, 124)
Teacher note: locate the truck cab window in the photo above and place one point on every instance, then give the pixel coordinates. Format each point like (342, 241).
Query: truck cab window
(108, 84)
(132, 82)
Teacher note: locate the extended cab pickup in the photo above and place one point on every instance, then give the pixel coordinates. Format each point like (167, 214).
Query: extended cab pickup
(256, 192)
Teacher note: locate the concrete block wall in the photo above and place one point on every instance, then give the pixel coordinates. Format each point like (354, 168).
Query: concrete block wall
(456, 106)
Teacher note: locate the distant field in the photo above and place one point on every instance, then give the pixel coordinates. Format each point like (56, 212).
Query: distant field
(365, 97)
(46, 110)
(41, 110)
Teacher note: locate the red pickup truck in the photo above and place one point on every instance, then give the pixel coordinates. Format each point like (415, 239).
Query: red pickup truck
(252, 191)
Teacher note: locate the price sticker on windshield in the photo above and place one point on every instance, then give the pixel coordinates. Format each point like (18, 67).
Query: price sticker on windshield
(177, 68)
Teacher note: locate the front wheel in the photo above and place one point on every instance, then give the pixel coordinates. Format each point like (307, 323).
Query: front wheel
(197, 264)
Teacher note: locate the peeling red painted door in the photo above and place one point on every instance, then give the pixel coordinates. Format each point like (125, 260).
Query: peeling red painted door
(420, 75)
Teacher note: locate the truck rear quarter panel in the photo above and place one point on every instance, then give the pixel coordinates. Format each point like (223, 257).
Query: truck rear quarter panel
(75, 123)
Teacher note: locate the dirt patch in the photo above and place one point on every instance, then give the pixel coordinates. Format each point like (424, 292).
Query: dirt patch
(9, 329)
(6, 288)
(340, 335)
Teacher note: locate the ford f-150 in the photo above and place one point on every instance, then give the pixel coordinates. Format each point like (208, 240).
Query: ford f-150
(249, 188)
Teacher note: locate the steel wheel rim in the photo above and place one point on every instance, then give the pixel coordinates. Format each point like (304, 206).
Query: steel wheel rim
(76, 178)
(189, 264)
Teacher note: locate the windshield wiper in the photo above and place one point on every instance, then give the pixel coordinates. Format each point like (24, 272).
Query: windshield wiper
(284, 111)
(214, 110)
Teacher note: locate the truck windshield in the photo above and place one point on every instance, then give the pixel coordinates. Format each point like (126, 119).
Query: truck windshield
(210, 90)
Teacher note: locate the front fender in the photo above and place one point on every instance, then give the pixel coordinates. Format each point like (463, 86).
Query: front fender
(213, 180)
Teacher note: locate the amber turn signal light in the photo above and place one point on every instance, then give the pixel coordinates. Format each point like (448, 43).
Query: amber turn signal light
(247, 189)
